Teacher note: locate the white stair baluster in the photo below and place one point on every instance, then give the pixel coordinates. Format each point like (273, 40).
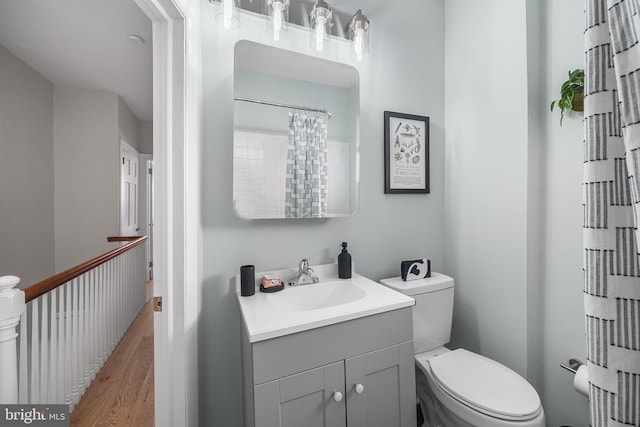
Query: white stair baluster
(121, 302)
(34, 387)
(93, 332)
(113, 321)
(130, 283)
(74, 344)
(97, 349)
(81, 335)
(124, 304)
(44, 349)
(88, 347)
(130, 290)
(53, 349)
(123, 295)
(100, 302)
(115, 304)
(61, 319)
(110, 308)
(133, 279)
(140, 282)
(121, 298)
(68, 367)
(23, 374)
(142, 260)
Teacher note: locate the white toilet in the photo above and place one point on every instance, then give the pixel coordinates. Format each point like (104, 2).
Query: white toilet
(459, 388)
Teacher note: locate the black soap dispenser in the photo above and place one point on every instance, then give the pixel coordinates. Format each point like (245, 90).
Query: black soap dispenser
(344, 263)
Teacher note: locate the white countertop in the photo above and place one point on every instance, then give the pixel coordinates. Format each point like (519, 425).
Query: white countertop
(304, 307)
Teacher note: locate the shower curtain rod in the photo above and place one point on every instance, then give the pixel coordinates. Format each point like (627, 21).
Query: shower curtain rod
(295, 107)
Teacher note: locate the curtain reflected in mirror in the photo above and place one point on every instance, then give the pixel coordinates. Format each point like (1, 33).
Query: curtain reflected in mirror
(295, 143)
(306, 180)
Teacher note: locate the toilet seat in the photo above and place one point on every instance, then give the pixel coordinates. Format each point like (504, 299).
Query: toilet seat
(484, 385)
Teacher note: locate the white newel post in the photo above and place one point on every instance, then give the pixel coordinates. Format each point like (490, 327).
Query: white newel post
(11, 307)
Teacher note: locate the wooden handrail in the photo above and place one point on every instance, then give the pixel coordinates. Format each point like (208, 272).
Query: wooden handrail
(47, 285)
(121, 238)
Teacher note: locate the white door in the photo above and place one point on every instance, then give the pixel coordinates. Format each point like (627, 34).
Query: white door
(129, 171)
(149, 201)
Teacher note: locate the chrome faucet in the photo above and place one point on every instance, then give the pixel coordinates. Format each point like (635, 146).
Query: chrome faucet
(305, 274)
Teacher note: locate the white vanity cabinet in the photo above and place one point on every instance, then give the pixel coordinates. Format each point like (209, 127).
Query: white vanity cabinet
(357, 373)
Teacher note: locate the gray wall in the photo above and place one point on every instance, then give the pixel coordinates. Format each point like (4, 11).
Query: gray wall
(513, 194)
(88, 126)
(145, 136)
(404, 73)
(128, 125)
(486, 176)
(26, 171)
(87, 173)
(562, 309)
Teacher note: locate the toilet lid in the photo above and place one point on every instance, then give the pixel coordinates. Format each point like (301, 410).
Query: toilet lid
(485, 385)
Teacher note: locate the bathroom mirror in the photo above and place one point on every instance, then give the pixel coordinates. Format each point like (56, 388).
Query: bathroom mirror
(295, 139)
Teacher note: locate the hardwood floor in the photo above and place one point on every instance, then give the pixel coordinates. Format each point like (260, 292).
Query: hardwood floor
(122, 393)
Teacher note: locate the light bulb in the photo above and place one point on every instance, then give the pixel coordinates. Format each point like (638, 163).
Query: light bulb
(359, 36)
(320, 33)
(277, 19)
(228, 13)
(358, 44)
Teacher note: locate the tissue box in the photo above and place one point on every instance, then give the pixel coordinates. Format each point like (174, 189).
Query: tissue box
(416, 269)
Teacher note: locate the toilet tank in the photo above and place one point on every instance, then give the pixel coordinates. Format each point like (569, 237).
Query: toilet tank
(433, 312)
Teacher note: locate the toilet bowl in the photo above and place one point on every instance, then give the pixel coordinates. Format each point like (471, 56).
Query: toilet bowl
(459, 388)
(463, 389)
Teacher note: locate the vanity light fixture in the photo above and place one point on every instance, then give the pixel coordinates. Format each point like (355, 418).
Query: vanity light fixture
(228, 15)
(321, 23)
(358, 32)
(320, 20)
(277, 13)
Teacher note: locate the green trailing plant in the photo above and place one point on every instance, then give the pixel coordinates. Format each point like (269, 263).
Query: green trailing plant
(570, 90)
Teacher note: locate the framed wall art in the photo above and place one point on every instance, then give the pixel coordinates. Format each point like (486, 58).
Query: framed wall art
(406, 153)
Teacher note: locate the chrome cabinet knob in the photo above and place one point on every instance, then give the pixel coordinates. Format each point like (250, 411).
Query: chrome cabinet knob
(337, 396)
(359, 388)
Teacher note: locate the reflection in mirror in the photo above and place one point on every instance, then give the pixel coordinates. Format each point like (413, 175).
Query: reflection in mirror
(295, 140)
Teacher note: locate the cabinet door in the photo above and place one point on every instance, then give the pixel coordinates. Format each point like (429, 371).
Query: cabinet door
(380, 388)
(308, 399)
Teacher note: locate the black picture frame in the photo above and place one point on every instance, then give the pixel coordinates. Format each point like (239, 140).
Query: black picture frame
(406, 153)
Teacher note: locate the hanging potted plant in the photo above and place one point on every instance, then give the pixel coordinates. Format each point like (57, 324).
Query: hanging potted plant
(571, 94)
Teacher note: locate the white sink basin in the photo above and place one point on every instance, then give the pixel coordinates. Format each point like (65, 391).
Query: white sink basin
(300, 308)
(316, 296)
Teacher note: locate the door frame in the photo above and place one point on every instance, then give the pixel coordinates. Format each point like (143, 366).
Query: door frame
(124, 148)
(177, 274)
(146, 208)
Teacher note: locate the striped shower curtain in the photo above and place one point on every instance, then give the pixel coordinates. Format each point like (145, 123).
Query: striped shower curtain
(306, 179)
(612, 207)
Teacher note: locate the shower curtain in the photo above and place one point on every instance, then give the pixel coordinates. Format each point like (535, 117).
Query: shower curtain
(611, 210)
(306, 179)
